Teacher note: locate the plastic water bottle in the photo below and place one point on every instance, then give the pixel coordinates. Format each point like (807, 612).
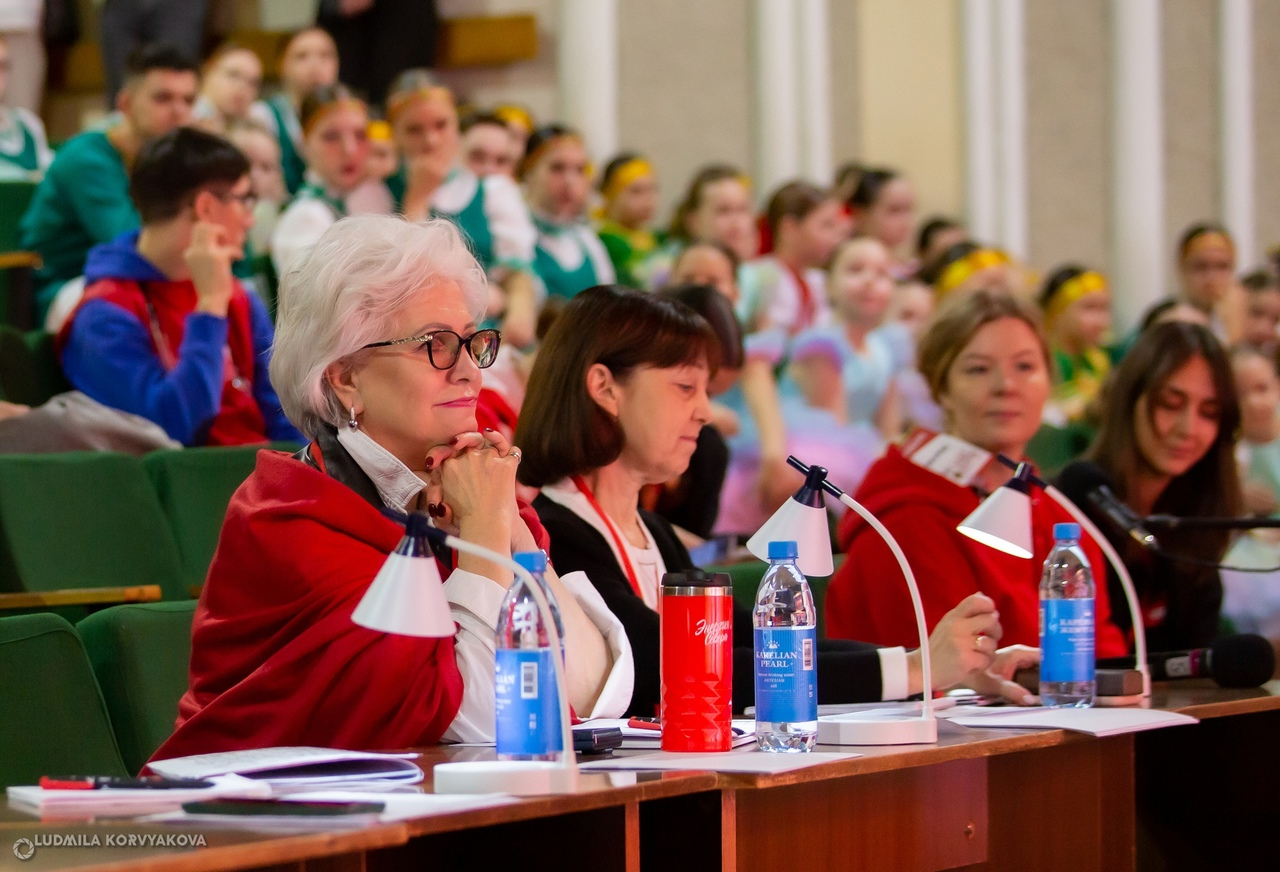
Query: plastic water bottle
(786, 642)
(527, 707)
(1067, 623)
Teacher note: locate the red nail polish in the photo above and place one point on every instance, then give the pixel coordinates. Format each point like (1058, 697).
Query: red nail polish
(431, 461)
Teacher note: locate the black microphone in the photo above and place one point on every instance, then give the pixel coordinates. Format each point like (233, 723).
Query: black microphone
(1093, 481)
(1245, 660)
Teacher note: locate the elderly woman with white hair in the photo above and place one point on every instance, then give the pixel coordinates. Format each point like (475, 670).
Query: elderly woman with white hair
(378, 359)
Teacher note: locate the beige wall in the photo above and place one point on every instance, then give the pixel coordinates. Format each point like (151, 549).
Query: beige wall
(1068, 133)
(846, 98)
(1266, 101)
(910, 96)
(1192, 135)
(684, 73)
(531, 83)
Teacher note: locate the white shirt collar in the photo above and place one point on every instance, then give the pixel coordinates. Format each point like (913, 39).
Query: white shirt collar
(397, 484)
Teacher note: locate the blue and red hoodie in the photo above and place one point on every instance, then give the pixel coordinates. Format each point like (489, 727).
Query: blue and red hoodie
(136, 343)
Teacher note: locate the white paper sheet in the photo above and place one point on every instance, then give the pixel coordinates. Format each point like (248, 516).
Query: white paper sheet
(750, 760)
(1093, 721)
(297, 765)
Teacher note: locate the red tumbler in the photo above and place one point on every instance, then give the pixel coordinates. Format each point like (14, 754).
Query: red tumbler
(696, 661)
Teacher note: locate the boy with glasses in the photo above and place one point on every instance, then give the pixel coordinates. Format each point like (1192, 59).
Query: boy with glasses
(165, 330)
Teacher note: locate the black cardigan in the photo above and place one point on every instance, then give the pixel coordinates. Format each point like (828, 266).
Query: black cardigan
(847, 671)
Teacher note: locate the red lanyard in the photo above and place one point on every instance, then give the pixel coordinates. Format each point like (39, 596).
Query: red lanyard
(617, 540)
(808, 305)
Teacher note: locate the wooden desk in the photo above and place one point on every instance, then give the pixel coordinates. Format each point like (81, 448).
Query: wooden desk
(595, 827)
(1195, 797)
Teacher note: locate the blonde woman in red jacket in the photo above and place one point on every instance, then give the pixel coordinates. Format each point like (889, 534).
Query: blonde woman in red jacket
(987, 365)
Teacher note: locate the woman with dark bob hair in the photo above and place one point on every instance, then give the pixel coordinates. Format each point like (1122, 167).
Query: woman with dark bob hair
(616, 400)
(1167, 442)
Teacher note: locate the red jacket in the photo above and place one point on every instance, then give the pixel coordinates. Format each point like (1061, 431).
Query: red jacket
(275, 657)
(868, 599)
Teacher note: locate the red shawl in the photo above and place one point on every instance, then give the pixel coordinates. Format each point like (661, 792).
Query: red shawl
(275, 657)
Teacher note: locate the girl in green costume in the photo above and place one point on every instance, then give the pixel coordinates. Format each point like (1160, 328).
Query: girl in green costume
(309, 60)
(1077, 318)
(629, 189)
(335, 140)
(556, 172)
(432, 182)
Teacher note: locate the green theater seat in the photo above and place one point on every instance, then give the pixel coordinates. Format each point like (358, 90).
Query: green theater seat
(52, 717)
(195, 486)
(140, 654)
(83, 520)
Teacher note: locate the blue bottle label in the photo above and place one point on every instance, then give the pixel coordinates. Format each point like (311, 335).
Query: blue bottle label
(1066, 640)
(786, 674)
(527, 711)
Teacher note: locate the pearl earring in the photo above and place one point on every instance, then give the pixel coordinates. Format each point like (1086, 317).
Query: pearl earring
(352, 423)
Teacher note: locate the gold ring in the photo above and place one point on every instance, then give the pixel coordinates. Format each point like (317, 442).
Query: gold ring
(977, 642)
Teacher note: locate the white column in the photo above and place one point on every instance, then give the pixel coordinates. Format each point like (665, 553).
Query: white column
(1012, 117)
(777, 115)
(981, 183)
(1238, 213)
(812, 30)
(587, 71)
(1141, 248)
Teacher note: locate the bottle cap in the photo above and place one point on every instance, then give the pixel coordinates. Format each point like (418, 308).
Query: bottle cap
(533, 561)
(1066, 531)
(783, 550)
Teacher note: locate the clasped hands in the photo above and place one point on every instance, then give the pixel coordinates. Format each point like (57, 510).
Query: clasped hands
(470, 491)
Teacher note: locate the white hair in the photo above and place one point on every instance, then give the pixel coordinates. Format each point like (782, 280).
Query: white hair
(345, 292)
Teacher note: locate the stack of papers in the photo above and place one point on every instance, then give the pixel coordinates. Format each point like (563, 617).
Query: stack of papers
(296, 766)
(397, 807)
(1093, 721)
(129, 801)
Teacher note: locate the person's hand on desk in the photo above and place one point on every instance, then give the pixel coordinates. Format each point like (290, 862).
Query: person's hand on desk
(963, 651)
(997, 681)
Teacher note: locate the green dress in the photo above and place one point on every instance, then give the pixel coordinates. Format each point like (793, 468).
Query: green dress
(628, 249)
(19, 148)
(570, 258)
(289, 135)
(82, 201)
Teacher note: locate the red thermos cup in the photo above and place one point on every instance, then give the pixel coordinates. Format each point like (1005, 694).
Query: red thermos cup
(696, 661)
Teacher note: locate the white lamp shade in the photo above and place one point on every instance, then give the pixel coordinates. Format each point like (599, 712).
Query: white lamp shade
(406, 597)
(1002, 521)
(804, 525)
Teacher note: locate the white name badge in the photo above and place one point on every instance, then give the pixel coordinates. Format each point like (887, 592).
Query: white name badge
(952, 458)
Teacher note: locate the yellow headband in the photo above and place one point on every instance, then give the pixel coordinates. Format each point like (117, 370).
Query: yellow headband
(624, 176)
(379, 131)
(956, 274)
(515, 116)
(328, 109)
(1072, 290)
(397, 103)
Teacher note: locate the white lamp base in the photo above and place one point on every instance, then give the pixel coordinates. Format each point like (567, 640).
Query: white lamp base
(855, 729)
(516, 777)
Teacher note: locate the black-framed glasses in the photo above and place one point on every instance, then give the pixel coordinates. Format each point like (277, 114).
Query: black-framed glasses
(444, 346)
(247, 201)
